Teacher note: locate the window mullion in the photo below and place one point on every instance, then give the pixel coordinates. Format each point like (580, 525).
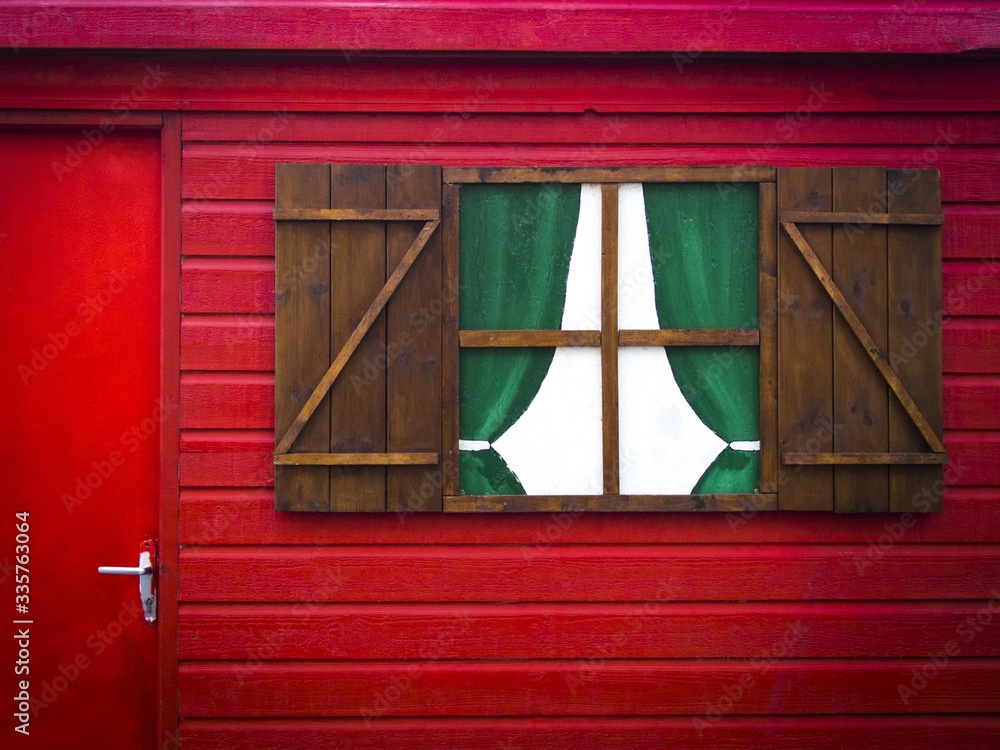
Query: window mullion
(609, 335)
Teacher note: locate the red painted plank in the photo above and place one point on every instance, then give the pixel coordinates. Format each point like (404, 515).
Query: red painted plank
(968, 173)
(247, 286)
(231, 469)
(248, 517)
(226, 458)
(246, 228)
(597, 687)
(971, 287)
(947, 27)
(227, 400)
(970, 402)
(221, 400)
(590, 127)
(972, 345)
(973, 458)
(227, 228)
(584, 631)
(716, 733)
(481, 84)
(970, 230)
(227, 285)
(225, 441)
(580, 573)
(227, 342)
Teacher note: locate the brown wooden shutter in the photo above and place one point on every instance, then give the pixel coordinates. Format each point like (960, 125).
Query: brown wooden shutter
(357, 337)
(859, 340)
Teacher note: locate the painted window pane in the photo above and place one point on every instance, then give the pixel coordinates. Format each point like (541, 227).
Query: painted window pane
(530, 419)
(686, 412)
(553, 446)
(703, 243)
(515, 243)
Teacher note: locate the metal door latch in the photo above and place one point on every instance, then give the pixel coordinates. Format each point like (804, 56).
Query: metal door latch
(146, 571)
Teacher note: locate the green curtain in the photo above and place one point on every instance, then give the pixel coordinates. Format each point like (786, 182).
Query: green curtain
(703, 245)
(515, 243)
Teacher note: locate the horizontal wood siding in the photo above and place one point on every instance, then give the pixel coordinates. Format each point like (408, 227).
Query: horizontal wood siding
(346, 28)
(561, 630)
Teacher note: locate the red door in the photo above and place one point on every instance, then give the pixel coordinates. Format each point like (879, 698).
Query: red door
(79, 382)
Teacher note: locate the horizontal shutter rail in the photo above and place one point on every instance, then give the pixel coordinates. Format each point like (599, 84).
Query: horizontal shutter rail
(690, 337)
(871, 348)
(651, 337)
(356, 459)
(491, 338)
(863, 459)
(861, 217)
(355, 338)
(364, 214)
(733, 503)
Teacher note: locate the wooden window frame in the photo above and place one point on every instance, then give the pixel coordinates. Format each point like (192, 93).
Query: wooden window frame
(799, 212)
(609, 338)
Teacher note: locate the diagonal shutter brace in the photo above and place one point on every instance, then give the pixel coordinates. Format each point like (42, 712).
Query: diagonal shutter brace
(938, 455)
(281, 455)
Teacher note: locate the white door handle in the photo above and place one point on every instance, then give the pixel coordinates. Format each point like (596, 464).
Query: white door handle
(146, 571)
(116, 571)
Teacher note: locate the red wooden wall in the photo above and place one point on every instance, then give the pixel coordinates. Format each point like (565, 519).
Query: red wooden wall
(537, 631)
(609, 631)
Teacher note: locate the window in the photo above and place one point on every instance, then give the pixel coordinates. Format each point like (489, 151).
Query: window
(606, 339)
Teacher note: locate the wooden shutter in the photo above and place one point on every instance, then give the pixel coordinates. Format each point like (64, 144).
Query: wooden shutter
(859, 340)
(357, 337)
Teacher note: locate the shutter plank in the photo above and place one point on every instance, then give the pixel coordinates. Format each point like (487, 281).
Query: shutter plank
(357, 396)
(414, 315)
(450, 337)
(861, 395)
(302, 323)
(915, 334)
(805, 346)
